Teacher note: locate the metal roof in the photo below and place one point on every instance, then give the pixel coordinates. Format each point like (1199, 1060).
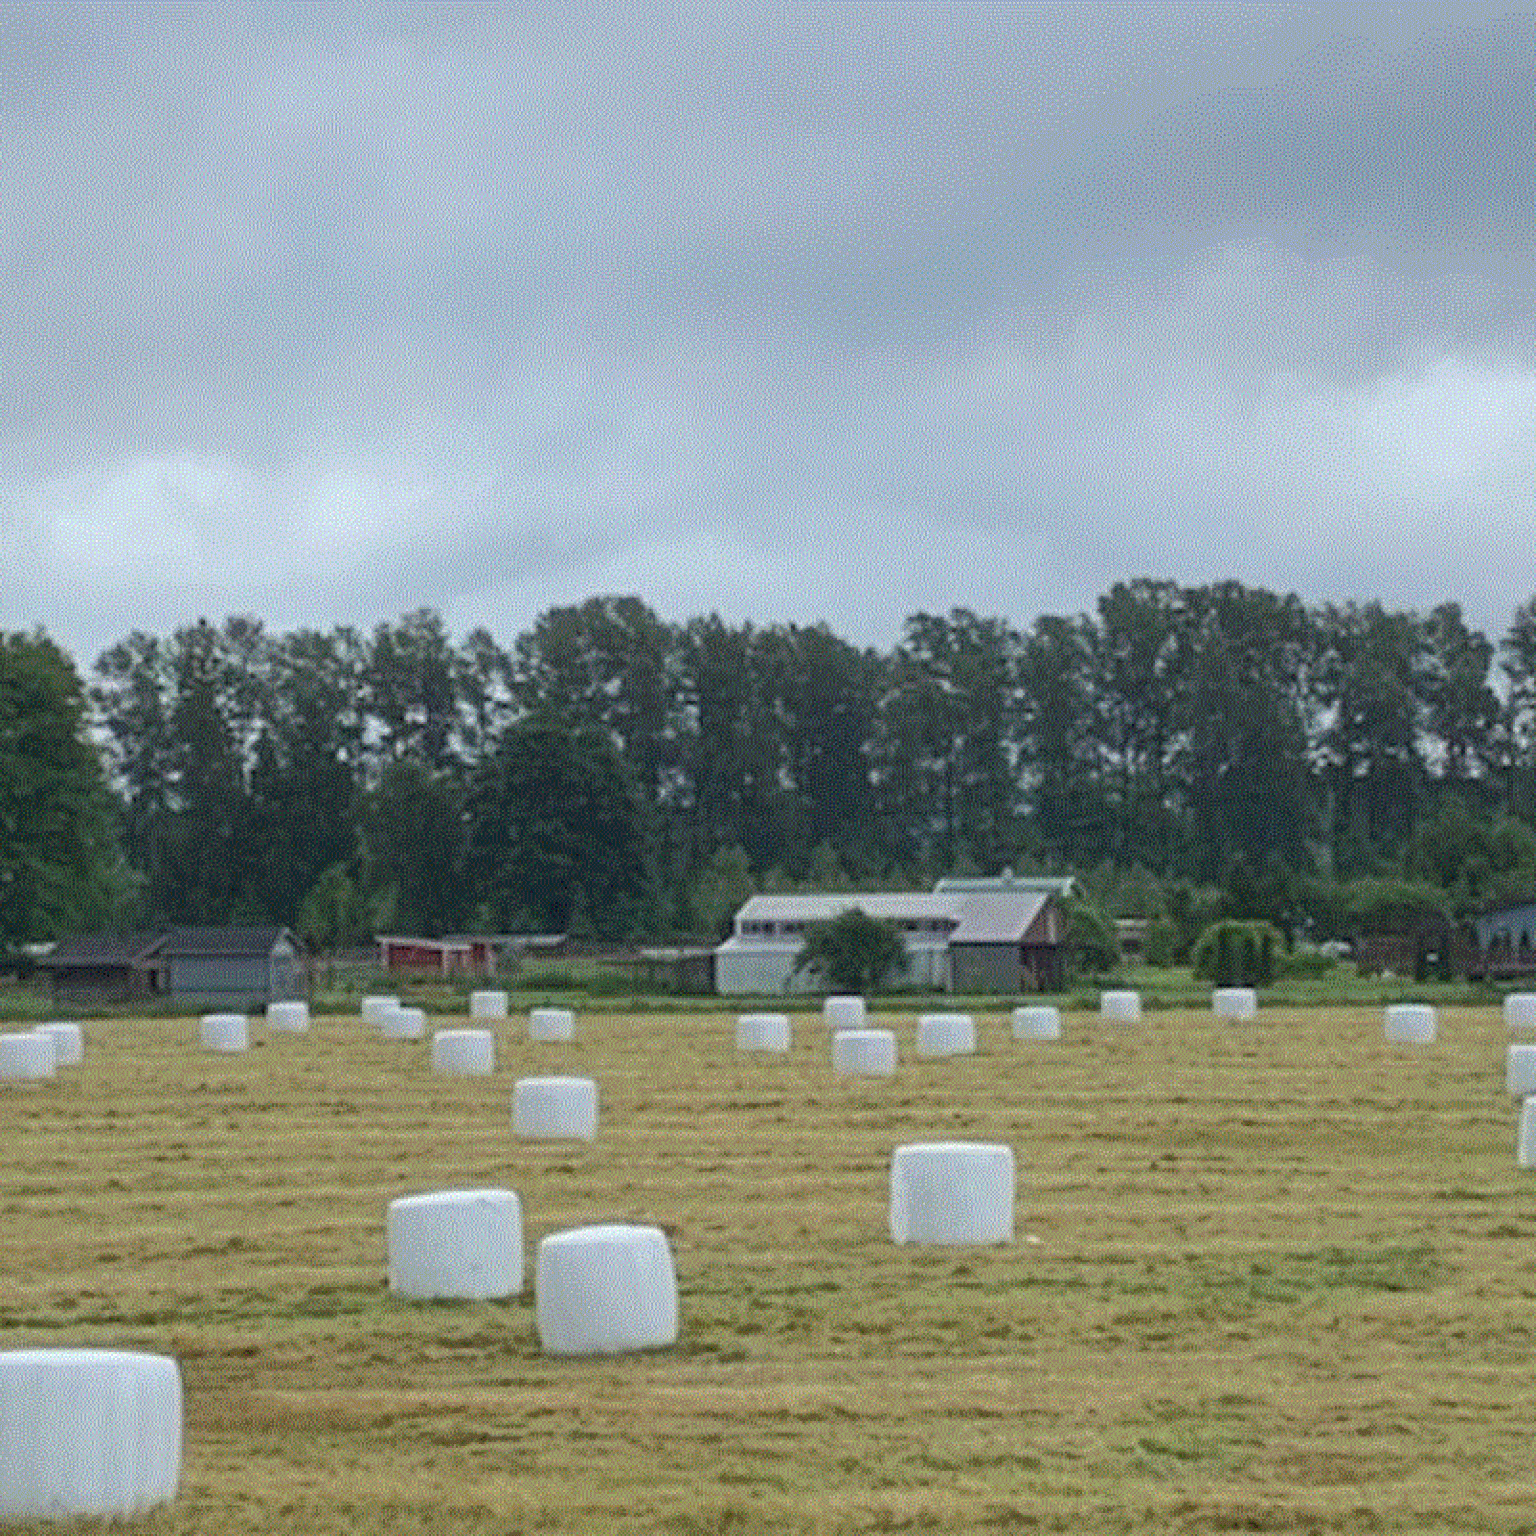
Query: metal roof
(823, 907)
(996, 918)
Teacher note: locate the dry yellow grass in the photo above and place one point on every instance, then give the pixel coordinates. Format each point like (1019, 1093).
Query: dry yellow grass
(1284, 1280)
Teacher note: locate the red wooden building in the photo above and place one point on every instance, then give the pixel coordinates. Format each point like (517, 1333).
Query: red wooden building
(458, 956)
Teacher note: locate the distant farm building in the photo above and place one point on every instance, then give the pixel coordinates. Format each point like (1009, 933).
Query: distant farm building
(996, 939)
(438, 957)
(237, 968)
(478, 954)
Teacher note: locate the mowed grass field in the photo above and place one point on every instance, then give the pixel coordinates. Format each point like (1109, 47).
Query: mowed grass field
(1275, 1276)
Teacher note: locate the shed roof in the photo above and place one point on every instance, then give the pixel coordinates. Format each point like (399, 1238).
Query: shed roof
(223, 941)
(103, 949)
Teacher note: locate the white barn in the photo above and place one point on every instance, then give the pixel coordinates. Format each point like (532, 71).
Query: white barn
(1004, 939)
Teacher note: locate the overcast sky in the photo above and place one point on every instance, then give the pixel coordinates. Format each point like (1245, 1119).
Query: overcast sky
(792, 313)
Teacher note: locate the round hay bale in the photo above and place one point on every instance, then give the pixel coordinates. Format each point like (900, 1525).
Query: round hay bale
(456, 1244)
(952, 1192)
(605, 1290)
(88, 1433)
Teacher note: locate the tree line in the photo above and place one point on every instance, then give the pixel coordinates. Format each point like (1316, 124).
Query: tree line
(611, 773)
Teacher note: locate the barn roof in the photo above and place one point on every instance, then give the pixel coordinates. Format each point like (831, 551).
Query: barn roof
(996, 918)
(803, 907)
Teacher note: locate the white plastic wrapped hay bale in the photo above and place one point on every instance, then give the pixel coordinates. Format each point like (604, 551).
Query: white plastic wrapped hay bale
(68, 1042)
(605, 1290)
(376, 1008)
(1038, 1021)
(88, 1433)
(488, 1004)
(1410, 1023)
(463, 1052)
(1120, 1007)
(1236, 1003)
(952, 1192)
(26, 1057)
(1520, 1071)
(1525, 1140)
(864, 1052)
(946, 1034)
(456, 1244)
(843, 1012)
(555, 1108)
(762, 1032)
(551, 1024)
(1520, 1010)
(291, 1016)
(403, 1023)
(225, 1032)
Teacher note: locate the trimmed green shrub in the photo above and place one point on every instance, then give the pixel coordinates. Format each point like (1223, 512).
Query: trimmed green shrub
(1237, 954)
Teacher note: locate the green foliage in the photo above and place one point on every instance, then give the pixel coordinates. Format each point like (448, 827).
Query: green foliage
(1394, 906)
(59, 864)
(1092, 944)
(1305, 963)
(335, 914)
(556, 830)
(1231, 953)
(854, 952)
(1162, 941)
(721, 889)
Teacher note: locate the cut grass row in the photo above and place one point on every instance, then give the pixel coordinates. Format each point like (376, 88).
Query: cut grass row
(1275, 1276)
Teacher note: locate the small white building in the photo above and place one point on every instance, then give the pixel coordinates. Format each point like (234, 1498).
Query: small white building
(995, 939)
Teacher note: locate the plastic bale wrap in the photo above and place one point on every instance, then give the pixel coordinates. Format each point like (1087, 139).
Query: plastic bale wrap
(864, 1052)
(946, 1034)
(952, 1192)
(225, 1032)
(1409, 1023)
(464, 1052)
(1037, 1022)
(605, 1290)
(551, 1024)
(376, 1008)
(291, 1016)
(488, 1004)
(1520, 1010)
(88, 1433)
(1520, 1071)
(1525, 1140)
(456, 1244)
(402, 1023)
(842, 1012)
(1120, 1007)
(68, 1042)
(27, 1057)
(762, 1032)
(555, 1108)
(1236, 1003)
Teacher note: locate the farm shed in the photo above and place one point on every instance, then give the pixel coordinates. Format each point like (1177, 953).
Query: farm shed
(105, 968)
(239, 968)
(1009, 941)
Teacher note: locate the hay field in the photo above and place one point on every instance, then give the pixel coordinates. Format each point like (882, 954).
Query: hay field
(1276, 1276)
